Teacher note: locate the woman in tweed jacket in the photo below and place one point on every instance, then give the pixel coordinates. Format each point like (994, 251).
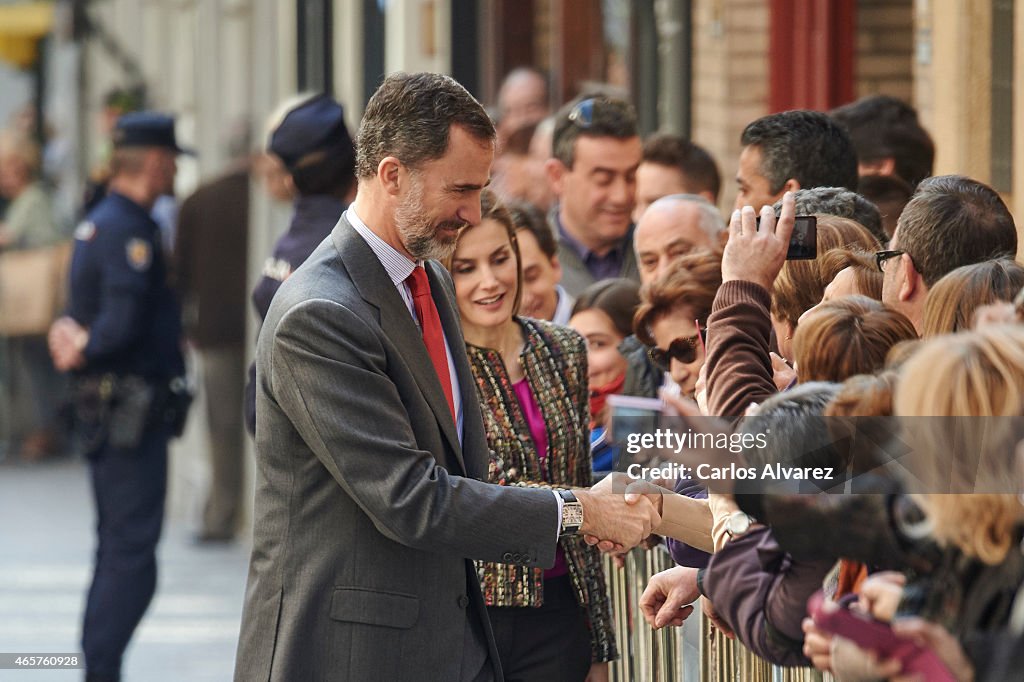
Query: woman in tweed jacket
(531, 379)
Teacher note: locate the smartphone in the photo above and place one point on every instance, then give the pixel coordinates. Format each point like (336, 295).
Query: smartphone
(631, 418)
(803, 243)
(874, 635)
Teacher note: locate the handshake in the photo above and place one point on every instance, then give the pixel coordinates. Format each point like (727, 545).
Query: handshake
(620, 512)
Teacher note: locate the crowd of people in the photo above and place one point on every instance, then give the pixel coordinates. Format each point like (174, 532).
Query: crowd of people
(904, 311)
(430, 400)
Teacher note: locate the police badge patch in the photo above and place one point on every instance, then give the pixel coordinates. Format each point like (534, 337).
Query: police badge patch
(139, 254)
(85, 231)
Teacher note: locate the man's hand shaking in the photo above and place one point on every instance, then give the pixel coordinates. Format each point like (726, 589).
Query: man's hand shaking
(619, 512)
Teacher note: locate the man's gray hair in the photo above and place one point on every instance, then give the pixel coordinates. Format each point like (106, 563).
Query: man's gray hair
(840, 202)
(711, 220)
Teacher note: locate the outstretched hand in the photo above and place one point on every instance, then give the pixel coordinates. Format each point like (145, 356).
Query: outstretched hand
(669, 597)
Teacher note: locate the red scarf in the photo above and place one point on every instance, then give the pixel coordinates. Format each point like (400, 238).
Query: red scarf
(599, 395)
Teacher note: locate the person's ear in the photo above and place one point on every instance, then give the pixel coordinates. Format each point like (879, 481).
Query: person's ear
(556, 172)
(289, 183)
(912, 281)
(556, 265)
(389, 174)
(709, 196)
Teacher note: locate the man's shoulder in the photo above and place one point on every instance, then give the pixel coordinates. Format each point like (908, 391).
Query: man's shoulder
(117, 216)
(321, 276)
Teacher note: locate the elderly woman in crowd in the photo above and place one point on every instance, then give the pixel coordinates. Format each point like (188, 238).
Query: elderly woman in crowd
(29, 221)
(673, 316)
(531, 379)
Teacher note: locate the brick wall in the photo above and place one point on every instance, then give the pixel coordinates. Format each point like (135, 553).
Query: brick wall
(885, 48)
(730, 85)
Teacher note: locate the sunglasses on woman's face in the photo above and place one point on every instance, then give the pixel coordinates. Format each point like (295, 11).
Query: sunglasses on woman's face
(683, 349)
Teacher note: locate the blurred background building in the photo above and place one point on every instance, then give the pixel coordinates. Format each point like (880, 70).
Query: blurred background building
(699, 67)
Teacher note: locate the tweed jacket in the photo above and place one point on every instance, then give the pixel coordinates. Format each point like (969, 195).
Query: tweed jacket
(554, 361)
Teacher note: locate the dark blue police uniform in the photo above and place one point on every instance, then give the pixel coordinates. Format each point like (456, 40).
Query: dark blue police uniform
(315, 126)
(314, 218)
(312, 222)
(119, 292)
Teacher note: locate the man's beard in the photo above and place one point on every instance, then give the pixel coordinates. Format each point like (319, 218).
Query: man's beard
(423, 239)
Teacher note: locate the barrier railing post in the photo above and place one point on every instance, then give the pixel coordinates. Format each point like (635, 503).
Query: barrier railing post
(695, 651)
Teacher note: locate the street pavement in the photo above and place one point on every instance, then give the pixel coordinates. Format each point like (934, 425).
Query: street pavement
(46, 550)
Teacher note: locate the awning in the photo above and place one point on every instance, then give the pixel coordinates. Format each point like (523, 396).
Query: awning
(22, 24)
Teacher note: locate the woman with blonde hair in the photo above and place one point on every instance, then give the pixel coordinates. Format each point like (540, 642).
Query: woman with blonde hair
(963, 382)
(961, 406)
(29, 223)
(952, 301)
(531, 380)
(801, 283)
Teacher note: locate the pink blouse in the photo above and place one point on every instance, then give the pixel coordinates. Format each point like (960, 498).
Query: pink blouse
(538, 430)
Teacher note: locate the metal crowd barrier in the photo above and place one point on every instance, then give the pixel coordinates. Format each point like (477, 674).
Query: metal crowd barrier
(695, 652)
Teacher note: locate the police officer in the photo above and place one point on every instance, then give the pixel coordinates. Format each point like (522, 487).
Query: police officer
(121, 338)
(316, 149)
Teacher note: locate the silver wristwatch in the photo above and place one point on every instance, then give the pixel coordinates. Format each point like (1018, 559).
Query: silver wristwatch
(572, 513)
(738, 523)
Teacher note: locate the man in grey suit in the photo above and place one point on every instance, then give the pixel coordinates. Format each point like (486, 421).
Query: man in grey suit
(369, 440)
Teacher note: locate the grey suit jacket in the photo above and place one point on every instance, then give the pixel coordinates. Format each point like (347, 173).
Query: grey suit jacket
(367, 508)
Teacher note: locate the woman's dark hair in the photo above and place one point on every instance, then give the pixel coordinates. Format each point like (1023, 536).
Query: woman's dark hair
(617, 298)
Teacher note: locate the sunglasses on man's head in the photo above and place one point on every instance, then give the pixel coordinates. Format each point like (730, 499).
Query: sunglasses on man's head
(683, 349)
(582, 115)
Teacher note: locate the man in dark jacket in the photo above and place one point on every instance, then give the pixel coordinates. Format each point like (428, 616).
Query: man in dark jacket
(210, 275)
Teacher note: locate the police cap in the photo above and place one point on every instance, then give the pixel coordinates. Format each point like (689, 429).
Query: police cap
(318, 124)
(146, 129)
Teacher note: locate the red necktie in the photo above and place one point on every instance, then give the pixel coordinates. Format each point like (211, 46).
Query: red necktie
(433, 336)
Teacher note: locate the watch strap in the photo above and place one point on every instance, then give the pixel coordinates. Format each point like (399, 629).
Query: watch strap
(572, 513)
